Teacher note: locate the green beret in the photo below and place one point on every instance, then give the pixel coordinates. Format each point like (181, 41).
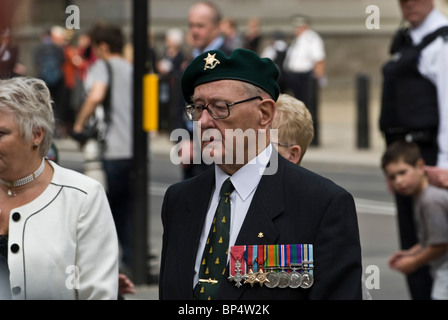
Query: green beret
(242, 65)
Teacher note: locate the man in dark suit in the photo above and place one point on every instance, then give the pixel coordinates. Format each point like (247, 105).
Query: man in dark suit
(204, 23)
(274, 202)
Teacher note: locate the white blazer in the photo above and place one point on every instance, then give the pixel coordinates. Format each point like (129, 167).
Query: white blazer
(63, 244)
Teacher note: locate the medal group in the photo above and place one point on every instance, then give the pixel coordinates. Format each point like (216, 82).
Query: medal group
(275, 266)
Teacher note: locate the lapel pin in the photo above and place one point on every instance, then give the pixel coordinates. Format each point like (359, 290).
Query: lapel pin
(260, 235)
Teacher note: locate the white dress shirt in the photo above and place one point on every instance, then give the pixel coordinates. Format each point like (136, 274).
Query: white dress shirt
(245, 181)
(433, 64)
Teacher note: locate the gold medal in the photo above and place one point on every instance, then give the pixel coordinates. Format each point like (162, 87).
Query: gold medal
(251, 278)
(262, 277)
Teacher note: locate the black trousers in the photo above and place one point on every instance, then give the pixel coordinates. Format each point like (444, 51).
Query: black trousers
(299, 83)
(119, 194)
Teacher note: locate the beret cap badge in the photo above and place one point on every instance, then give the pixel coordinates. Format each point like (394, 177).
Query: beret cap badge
(210, 61)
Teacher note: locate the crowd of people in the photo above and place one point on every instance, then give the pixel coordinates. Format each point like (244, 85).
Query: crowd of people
(83, 89)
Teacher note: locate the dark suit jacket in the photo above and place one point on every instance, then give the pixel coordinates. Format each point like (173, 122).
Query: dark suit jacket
(293, 206)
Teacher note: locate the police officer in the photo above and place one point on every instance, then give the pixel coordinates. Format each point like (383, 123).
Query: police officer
(415, 104)
(305, 59)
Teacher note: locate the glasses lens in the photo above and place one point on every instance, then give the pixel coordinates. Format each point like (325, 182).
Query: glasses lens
(190, 110)
(218, 110)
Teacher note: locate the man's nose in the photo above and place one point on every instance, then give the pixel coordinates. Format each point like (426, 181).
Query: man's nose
(205, 119)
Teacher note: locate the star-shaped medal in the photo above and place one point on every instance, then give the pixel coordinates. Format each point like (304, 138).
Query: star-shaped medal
(251, 278)
(211, 61)
(262, 277)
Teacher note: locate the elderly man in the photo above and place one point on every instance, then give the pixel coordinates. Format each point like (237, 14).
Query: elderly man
(415, 105)
(277, 225)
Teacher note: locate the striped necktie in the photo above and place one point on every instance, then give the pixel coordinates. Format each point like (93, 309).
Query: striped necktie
(214, 258)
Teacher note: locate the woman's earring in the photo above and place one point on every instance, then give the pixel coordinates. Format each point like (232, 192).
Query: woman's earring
(35, 146)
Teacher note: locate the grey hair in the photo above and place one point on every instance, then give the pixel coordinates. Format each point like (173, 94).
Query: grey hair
(254, 90)
(30, 101)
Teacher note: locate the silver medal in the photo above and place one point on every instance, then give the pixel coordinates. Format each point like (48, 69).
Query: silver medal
(307, 280)
(273, 280)
(238, 277)
(284, 280)
(295, 279)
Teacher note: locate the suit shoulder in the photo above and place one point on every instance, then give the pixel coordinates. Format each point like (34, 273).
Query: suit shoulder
(192, 183)
(311, 180)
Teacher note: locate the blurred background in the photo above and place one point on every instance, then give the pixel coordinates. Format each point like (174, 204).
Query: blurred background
(350, 46)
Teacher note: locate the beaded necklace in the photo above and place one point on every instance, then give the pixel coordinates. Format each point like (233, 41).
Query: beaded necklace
(23, 181)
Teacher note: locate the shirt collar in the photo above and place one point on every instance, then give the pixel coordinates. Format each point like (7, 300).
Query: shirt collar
(246, 179)
(214, 45)
(432, 22)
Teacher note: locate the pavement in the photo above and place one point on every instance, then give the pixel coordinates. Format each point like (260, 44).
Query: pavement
(337, 143)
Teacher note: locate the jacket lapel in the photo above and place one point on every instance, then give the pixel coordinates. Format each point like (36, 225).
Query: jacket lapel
(196, 211)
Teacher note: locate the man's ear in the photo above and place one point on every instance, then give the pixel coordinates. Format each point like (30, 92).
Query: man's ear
(295, 152)
(267, 111)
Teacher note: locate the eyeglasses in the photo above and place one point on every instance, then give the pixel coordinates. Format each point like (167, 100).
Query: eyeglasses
(217, 110)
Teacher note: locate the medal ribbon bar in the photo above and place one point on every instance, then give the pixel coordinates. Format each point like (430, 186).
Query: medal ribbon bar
(254, 262)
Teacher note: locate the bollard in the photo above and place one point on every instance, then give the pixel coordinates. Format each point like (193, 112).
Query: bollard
(362, 99)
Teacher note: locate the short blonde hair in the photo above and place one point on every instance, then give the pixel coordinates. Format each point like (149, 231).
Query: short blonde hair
(293, 122)
(30, 101)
